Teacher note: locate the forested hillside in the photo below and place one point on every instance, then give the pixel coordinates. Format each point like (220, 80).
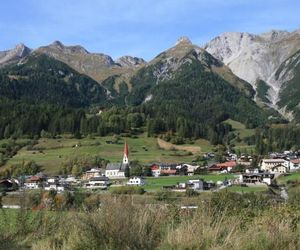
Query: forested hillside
(41, 79)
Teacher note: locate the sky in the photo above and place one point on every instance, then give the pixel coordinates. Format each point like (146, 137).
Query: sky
(142, 28)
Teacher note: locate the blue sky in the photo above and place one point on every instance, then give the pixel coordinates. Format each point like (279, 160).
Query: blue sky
(141, 28)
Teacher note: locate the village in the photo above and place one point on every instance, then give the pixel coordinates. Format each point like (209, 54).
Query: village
(241, 170)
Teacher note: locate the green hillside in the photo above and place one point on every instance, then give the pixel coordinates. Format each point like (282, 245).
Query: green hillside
(51, 153)
(44, 80)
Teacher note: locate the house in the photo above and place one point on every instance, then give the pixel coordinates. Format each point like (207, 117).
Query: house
(190, 169)
(136, 181)
(223, 167)
(119, 170)
(269, 165)
(94, 172)
(100, 182)
(158, 169)
(197, 185)
(168, 169)
(256, 178)
(34, 182)
(294, 164)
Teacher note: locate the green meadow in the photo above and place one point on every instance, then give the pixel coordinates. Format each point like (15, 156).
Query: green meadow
(156, 183)
(50, 153)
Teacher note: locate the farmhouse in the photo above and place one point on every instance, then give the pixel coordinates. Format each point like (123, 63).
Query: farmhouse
(119, 170)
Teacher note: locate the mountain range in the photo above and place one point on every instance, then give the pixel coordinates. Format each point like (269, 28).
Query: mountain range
(261, 69)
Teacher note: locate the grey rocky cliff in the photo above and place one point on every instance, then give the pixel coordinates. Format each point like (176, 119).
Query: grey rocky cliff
(256, 57)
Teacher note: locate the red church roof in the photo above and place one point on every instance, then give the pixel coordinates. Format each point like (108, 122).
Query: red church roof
(126, 149)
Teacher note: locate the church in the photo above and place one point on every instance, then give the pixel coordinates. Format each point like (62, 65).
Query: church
(119, 170)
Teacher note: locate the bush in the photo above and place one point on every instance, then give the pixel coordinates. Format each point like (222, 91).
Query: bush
(127, 190)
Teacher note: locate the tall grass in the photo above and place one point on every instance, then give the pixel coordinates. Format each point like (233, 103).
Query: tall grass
(224, 221)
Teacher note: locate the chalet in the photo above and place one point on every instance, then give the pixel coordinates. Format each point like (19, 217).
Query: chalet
(256, 178)
(101, 182)
(223, 167)
(119, 170)
(269, 165)
(136, 181)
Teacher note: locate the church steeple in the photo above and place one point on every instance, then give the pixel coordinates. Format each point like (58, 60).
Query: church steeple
(125, 156)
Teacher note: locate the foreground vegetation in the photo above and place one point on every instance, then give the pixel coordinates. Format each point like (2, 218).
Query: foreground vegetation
(222, 221)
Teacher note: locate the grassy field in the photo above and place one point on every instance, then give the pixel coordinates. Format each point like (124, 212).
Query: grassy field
(242, 132)
(295, 176)
(50, 153)
(156, 183)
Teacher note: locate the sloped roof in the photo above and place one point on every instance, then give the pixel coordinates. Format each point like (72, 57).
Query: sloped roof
(227, 164)
(116, 166)
(295, 161)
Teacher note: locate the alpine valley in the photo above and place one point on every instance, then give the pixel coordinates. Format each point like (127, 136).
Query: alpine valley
(187, 91)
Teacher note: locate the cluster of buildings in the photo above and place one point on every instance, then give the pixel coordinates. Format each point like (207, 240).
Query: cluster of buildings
(100, 179)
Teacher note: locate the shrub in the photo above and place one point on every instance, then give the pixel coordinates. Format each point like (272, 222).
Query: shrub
(128, 190)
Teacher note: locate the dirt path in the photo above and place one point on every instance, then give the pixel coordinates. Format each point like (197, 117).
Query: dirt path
(169, 146)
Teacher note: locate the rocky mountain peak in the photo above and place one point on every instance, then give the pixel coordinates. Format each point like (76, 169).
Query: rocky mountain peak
(14, 55)
(57, 44)
(274, 35)
(183, 40)
(129, 61)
